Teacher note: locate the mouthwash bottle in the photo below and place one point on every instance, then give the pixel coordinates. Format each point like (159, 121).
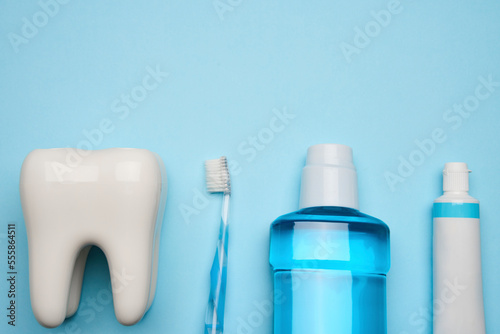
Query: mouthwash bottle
(329, 260)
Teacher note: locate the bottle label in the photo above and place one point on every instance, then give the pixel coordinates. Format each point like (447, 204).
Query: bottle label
(456, 210)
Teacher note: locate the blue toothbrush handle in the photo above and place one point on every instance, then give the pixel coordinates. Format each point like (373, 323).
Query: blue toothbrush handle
(214, 320)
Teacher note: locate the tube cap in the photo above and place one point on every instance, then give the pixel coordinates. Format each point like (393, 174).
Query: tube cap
(456, 176)
(329, 177)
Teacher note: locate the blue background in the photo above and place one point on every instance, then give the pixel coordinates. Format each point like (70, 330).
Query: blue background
(226, 75)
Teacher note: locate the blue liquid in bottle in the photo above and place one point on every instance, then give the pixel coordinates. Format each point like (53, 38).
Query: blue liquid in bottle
(329, 266)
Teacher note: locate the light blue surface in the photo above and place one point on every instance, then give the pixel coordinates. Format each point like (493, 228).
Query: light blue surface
(227, 80)
(456, 210)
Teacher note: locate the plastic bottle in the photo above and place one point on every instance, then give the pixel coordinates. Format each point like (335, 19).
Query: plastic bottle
(458, 291)
(329, 260)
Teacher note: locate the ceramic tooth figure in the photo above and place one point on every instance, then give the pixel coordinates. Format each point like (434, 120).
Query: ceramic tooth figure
(113, 199)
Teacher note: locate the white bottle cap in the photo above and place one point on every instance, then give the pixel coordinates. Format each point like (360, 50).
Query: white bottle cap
(329, 177)
(456, 177)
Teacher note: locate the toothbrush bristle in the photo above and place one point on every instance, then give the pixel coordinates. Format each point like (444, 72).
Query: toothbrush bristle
(217, 176)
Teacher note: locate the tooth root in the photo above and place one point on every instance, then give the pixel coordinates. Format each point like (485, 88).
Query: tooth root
(50, 280)
(76, 282)
(130, 266)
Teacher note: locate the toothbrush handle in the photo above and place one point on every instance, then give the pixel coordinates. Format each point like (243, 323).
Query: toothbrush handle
(214, 320)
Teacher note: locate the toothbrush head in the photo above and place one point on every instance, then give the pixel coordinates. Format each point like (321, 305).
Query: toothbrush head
(217, 176)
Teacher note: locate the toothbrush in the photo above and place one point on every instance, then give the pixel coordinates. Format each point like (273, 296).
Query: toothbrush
(217, 179)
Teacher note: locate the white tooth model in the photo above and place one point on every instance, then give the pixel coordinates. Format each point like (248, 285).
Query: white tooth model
(73, 199)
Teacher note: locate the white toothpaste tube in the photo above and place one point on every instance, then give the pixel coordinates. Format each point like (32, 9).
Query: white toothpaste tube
(458, 290)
